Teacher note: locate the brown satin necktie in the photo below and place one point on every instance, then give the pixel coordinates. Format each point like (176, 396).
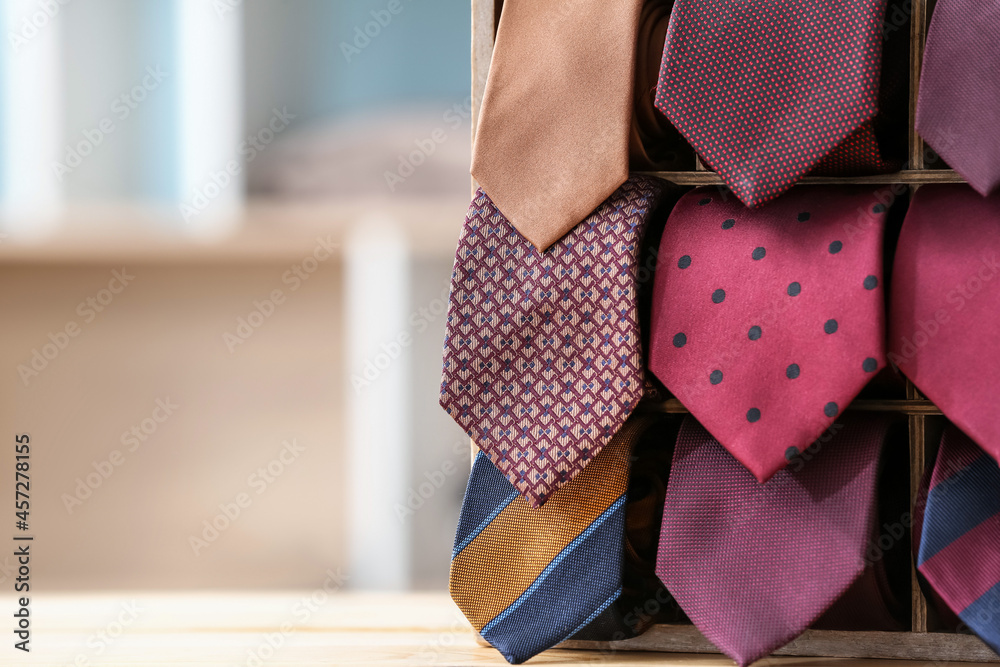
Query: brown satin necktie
(553, 136)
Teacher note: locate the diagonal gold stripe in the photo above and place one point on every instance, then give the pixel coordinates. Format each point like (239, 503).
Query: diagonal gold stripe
(509, 554)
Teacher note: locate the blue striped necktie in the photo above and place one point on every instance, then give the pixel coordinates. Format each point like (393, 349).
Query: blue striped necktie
(960, 541)
(530, 578)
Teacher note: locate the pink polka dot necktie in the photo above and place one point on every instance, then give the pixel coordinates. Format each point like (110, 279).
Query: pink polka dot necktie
(767, 322)
(764, 106)
(946, 306)
(741, 558)
(542, 357)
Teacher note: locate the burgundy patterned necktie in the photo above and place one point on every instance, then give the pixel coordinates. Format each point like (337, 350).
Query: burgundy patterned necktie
(753, 565)
(542, 357)
(767, 322)
(946, 306)
(764, 89)
(958, 112)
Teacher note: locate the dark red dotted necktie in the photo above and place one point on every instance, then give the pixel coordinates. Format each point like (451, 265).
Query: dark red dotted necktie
(767, 322)
(765, 89)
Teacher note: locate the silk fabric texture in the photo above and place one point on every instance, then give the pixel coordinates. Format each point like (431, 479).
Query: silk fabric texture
(543, 358)
(767, 322)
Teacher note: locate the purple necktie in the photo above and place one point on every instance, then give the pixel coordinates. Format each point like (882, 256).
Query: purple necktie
(753, 565)
(542, 357)
(958, 112)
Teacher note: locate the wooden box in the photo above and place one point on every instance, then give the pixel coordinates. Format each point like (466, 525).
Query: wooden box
(924, 418)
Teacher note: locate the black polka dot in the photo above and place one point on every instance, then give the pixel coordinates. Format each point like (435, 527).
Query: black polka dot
(791, 453)
(836, 247)
(792, 371)
(753, 414)
(805, 215)
(718, 296)
(684, 262)
(831, 409)
(728, 224)
(754, 333)
(869, 365)
(830, 326)
(878, 208)
(794, 289)
(758, 253)
(706, 200)
(871, 282)
(715, 377)
(680, 340)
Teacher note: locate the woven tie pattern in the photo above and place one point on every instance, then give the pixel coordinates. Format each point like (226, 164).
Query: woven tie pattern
(946, 306)
(958, 111)
(763, 106)
(960, 542)
(542, 357)
(767, 322)
(752, 564)
(529, 578)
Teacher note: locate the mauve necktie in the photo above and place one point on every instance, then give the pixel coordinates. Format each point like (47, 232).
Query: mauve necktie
(542, 357)
(529, 578)
(767, 322)
(553, 136)
(958, 110)
(945, 307)
(960, 542)
(764, 89)
(753, 565)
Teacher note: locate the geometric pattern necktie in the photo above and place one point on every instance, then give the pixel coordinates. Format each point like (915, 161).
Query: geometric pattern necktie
(764, 89)
(553, 136)
(542, 355)
(958, 111)
(946, 306)
(960, 541)
(529, 578)
(753, 565)
(767, 322)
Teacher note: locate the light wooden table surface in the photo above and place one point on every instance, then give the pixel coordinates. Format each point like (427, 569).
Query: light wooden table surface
(243, 629)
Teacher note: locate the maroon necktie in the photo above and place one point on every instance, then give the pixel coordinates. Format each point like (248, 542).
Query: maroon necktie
(753, 565)
(945, 308)
(958, 112)
(765, 89)
(542, 358)
(767, 322)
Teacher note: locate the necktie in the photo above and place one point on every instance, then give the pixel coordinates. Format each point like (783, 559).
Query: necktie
(753, 565)
(543, 359)
(766, 323)
(764, 89)
(529, 578)
(946, 306)
(960, 542)
(958, 110)
(553, 136)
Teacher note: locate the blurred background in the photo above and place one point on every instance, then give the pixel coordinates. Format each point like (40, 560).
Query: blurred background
(226, 233)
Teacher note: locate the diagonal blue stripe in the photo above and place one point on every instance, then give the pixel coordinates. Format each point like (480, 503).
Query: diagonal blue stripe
(485, 522)
(555, 562)
(958, 504)
(983, 616)
(604, 605)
